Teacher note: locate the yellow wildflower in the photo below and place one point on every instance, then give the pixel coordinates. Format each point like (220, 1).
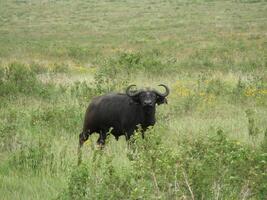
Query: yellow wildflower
(250, 92)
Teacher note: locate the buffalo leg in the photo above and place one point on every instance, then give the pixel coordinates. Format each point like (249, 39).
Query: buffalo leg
(128, 135)
(130, 140)
(101, 139)
(143, 134)
(82, 138)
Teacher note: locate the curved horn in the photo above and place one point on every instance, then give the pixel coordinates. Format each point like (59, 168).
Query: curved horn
(167, 92)
(131, 93)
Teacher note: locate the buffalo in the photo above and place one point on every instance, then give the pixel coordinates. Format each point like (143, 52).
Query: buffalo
(121, 113)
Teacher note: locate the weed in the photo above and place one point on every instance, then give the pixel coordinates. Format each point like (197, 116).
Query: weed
(199, 168)
(82, 90)
(106, 81)
(18, 78)
(36, 158)
(253, 130)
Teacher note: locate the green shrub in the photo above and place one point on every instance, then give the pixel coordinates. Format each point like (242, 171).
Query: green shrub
(82, 91)
(77, 187)
(106, 78)
(12, 122)
(253, 130)
(98, 180)
(35, 157)
(79, 53)
(60, 68)
(68, 118)
(224, 163)
(18, 78)
(204, 167)
(7, 135)
(2, 75)
(146, 62)
(216, 87)
(154, 167)
(130, 60)
(264, 144)
(38, 68)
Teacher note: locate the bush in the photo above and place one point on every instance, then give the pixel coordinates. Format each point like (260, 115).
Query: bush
(147, 62)
(136, 62)
(35, 157)
(18, 78)
(98, 180)
(82, 91)
(200, 168)
(125, 64)
(105, 78)
(2, 75)
(60, 68)
(130, 60)
(218, 166)
(38, 68)
(68, 118)
(216, 87)
(79, 53)
(7, 135)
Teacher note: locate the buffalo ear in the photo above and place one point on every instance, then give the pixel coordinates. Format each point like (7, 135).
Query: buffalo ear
(161, 100)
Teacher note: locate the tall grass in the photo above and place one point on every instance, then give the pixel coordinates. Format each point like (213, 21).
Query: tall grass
(209, 142)
(193, 151)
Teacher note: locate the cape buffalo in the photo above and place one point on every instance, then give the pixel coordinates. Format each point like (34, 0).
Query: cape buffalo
(121, 113)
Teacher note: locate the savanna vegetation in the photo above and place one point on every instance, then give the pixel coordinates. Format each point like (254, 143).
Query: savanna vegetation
(210, 140)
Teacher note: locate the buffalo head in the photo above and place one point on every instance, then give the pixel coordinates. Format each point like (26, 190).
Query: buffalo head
(148, 98)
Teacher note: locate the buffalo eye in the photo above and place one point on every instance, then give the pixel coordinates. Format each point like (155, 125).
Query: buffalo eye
(153, 96)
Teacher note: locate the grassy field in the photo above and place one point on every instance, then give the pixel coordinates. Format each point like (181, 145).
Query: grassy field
(210, 141)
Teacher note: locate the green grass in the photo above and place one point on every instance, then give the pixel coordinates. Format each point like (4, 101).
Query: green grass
(209, 141)
(196, 34)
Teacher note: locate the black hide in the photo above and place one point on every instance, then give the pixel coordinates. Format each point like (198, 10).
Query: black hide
(121, 114)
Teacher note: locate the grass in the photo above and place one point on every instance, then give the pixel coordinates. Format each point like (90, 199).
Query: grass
(209, 141)
(218, 34)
